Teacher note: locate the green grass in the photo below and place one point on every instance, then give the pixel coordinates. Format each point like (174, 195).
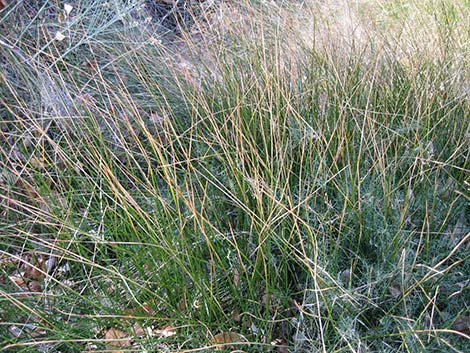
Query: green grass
(295, 172)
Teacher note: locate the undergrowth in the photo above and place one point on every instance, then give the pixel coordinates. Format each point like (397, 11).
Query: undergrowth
(270, 177)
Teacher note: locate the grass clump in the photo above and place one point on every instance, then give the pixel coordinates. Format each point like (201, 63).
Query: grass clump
(266, 178)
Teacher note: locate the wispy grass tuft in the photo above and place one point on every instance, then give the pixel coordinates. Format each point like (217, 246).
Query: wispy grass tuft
(269, 177)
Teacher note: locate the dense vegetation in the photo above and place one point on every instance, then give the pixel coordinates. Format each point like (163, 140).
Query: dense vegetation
(241, 176)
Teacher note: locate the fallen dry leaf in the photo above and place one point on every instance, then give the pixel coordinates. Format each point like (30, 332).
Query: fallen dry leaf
(15, 331)
(280, 345)
(236, 315)
(68, 9)
(183, 304)
(138, 330)
(222, 340)
(59, 36)
(394, 290)
(50, 264)
(156, 119)
(167, 331)
(33, 272)
(18, 280)
(37, 333)
(39, 163)
(117, 339)
(148, 309)
(236, 277)
(34, 286)
(90, 347)
(462, 324)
